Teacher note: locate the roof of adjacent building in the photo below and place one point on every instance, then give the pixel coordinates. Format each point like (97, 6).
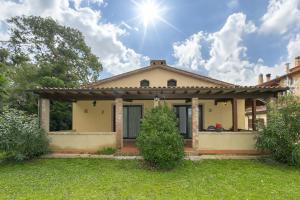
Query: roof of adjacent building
(275, 81)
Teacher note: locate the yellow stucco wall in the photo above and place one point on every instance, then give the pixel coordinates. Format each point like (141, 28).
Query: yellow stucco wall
(295, 85)
(88, 142)
(86, 117)
(227, 141)
(157, 77)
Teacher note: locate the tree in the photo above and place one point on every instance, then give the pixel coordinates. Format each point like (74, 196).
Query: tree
(3, 71)
(281, 135)
(59, 51)
(46, 54)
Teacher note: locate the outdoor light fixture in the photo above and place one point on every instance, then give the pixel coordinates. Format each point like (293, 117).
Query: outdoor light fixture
(94, 103)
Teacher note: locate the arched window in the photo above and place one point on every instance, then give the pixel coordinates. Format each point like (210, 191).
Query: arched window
(144, 83)
(172, 83)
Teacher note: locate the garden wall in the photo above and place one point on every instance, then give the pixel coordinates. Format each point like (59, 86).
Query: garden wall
(227, 142)
(81, 142)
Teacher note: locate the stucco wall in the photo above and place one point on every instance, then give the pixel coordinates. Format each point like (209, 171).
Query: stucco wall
(295, 85)
(81, 142)
(227, 141)
(157, 77)
(86, 117)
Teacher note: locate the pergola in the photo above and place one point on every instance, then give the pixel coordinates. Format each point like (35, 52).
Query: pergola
(193, 94)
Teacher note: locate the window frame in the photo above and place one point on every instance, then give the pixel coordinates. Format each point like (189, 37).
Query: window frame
(144, 81)
(172, 81)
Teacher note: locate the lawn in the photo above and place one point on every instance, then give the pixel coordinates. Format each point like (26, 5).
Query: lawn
(123, 179)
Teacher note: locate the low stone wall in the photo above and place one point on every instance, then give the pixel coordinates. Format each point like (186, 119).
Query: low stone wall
(227, 143)
(81, 142)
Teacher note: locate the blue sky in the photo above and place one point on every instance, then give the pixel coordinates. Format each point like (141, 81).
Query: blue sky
(231, 40)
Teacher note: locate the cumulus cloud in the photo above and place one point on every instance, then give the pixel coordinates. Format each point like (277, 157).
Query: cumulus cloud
(104, 38)
(293, 48)
(188, 52)
(281, 16)
(227, 55)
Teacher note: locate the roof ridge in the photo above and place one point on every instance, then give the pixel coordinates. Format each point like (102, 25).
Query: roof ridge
(166, 67)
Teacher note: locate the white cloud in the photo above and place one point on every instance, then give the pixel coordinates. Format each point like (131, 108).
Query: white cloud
(293, 48)
(227, 56)
(188, 52)
(282, 16)
(104, 38)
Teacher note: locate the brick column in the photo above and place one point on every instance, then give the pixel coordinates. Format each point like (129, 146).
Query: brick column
(254, 114)
(234, 115)
(44, 114)
(119, 122)
(195, 122)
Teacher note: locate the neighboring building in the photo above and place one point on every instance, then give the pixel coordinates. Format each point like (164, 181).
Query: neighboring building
(108, 112)
(290, 79)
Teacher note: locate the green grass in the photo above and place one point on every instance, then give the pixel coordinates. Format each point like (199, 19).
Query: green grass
(123, 179)
(107, 151)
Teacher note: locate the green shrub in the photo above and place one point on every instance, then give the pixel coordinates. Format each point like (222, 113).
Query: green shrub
(107, 151)
(295, 156)
(20, 135)
(282, 131)
(159, 140)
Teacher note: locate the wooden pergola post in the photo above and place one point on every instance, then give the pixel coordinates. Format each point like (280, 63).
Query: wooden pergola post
(119, 122)
(234, 115)
(254, 114)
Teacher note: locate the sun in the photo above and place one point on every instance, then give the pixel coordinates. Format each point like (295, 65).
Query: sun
(149, 12)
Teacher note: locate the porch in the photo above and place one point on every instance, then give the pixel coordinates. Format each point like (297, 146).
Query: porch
(200, 108)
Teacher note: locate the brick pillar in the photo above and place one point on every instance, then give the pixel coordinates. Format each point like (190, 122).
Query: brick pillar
(195, 122)
(254, 114)
(119, 122)
(44, 114)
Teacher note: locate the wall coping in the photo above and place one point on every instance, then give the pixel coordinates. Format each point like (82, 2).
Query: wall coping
(227, 133)
(79, 133)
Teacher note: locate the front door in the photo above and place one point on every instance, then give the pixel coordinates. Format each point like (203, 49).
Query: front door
(184, 119)
(132, 115)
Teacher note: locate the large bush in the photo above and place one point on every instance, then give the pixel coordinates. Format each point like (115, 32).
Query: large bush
(281, 135)
(159, 140)
(20, 135)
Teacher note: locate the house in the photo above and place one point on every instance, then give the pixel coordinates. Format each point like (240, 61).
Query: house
(107, 113)
(290, 79)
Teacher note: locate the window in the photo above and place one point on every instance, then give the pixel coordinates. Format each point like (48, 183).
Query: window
(144, 83)
(172, 83)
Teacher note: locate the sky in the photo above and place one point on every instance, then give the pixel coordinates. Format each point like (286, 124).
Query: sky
(230, 40)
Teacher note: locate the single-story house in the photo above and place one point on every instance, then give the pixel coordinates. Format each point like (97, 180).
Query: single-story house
(107, 113)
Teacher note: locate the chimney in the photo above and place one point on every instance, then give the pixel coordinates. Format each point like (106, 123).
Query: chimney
(260, 79)
(268, 77)
(287, 68)
(157, 62)
(297, 61)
